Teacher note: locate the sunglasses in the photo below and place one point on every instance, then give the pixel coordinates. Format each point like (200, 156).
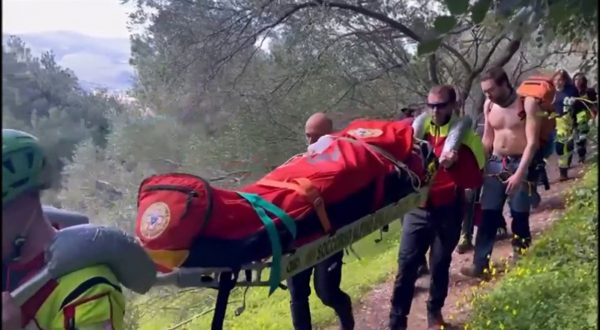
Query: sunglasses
(438, 105)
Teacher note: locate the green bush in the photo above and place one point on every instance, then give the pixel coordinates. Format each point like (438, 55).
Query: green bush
(555, 286)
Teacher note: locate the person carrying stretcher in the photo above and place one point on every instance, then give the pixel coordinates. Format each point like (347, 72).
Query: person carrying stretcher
(87, 299)
(437, 222)
(347, 185)
(328, 273)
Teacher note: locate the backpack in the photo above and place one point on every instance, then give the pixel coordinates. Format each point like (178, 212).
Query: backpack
(542, 89)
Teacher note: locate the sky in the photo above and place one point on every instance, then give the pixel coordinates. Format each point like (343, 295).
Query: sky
(98, 18)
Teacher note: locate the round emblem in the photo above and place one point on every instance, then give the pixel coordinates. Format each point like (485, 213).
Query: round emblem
(365, 132)
(155, 220)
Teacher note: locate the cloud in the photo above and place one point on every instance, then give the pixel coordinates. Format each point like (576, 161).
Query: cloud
(99, 18)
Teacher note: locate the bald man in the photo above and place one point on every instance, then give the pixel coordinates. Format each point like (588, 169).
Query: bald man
(316, 126)
(328, 273)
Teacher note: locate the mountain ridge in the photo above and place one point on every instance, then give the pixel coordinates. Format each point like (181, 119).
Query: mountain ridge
(98, 62)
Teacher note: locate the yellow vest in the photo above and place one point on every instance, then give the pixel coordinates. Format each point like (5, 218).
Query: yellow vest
(470, 139)
(93, 293)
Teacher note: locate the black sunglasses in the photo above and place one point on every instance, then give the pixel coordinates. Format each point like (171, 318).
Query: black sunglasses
(438, 105)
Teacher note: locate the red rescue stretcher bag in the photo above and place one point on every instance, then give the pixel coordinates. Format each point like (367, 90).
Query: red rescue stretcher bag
(183, 221)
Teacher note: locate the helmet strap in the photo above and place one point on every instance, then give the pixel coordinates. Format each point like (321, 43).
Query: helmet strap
(21, 239)
(18, 244)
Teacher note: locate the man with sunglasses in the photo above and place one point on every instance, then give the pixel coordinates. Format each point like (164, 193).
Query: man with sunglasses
(436, 224)
(512, 144)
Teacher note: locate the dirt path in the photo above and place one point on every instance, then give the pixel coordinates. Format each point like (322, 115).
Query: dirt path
(371, 313)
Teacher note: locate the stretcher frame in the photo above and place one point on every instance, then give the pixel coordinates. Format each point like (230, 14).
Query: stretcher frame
(251, 275)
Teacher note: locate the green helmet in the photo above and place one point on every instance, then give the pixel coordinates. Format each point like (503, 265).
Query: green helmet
(23, 164)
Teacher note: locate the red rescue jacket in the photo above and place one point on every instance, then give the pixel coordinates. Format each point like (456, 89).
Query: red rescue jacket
(467, 173)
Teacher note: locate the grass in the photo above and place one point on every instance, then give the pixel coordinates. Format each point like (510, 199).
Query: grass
(555, 285)
(163, 311)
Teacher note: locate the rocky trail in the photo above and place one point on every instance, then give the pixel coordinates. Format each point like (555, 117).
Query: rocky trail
(371, 312)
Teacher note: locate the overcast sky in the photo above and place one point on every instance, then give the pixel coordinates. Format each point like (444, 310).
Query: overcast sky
(99, 18)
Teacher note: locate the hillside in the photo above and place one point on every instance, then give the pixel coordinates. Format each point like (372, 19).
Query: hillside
(98, 62)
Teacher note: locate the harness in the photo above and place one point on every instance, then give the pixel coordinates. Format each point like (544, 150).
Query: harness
(505, 174)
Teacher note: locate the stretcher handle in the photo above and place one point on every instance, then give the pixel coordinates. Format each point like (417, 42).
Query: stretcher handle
(28, 289)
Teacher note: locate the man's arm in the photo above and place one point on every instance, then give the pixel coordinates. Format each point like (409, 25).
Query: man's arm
(488, 131)
(466, 172)
(532, 133)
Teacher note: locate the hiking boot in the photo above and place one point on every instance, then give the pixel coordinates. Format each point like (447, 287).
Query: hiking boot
(435, 321)
(474, 272)
(398, 322)
(464, 245)
(517, 253)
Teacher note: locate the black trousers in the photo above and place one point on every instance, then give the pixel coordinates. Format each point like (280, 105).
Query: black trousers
(438, 228)
(327, 278)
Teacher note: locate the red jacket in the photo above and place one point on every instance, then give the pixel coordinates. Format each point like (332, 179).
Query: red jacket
(449, 184)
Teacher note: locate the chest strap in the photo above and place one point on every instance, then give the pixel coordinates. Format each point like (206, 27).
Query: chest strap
(261, 207)
(305, 188)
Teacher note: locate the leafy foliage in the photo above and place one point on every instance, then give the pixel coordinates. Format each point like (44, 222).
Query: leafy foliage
(40, 97)
(555, 285)
(229, 84)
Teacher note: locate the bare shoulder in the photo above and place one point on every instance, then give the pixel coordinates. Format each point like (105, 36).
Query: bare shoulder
(487, 107)
(486, 104)
(531, 105)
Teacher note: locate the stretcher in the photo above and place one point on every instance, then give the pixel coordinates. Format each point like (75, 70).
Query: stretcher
(403, 189)
(136, 270)
(304, 257)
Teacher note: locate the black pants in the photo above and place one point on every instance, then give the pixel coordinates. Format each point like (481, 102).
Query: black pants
(438, 228)
(327, 278)
(581, 146)
(467, 222)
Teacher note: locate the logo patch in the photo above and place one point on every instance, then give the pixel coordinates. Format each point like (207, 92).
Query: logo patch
(365, 132)
(155, 220)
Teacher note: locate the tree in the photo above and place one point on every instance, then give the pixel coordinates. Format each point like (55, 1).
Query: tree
(372, 40)
(46, 100)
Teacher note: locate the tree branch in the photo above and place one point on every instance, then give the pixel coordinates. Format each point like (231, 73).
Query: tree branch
(432, 69)
(508, 52)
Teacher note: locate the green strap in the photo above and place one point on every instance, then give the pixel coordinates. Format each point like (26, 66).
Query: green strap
(288, 221)
(260, 205)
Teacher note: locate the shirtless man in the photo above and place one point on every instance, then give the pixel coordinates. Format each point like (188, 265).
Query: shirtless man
(511, 144)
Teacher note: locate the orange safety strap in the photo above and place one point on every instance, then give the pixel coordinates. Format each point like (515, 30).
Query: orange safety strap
(306, 189)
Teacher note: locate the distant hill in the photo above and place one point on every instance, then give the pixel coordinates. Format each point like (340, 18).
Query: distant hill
(97, 62)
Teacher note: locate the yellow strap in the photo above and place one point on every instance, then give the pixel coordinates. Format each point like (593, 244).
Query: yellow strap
(306, 189)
